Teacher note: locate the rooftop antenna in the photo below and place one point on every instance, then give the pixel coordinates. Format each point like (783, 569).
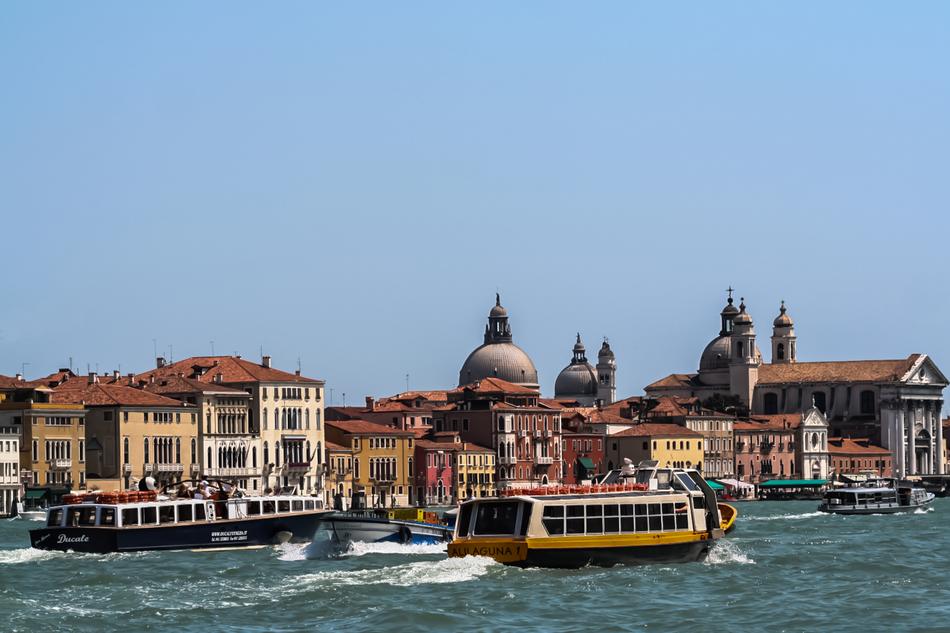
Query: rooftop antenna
(23, 367)
(70, 363)
(97, 369)
(171, 353)
(407, 382)
(154, 349)
(212, 348)
(344, 398)
(331, 396)
(299, 368)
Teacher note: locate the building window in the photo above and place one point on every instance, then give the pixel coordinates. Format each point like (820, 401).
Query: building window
(194, 450)
(770, 403)
(82, 450)
(125, 451)
(266, 454)
(867, 402)
(780, 351)
(818, 397)
(36, 451)
(145, 443)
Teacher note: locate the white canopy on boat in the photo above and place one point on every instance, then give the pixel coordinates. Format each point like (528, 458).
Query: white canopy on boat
(735, 483)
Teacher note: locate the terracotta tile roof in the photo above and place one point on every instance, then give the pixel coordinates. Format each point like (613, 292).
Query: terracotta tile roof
(346, 413)
(673, 381)
(79, 391)
(495, 385)
(857, 446)
(837, 371)
(336, 448)
(657, 430)
(177, 384)
(469, 447)
(391, 407)
(365, 427)
(778, 421)
(233, 369)
(436, 395)
(9, 382)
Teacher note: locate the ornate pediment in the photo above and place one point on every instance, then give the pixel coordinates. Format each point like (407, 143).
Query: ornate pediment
(924, 372)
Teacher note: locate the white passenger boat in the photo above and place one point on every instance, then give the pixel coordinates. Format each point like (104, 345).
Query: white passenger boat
(135, 521)
(656, 515)
(402, 525)
(882, 496)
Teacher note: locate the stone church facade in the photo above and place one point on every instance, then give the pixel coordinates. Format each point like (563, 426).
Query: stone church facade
(895, 403)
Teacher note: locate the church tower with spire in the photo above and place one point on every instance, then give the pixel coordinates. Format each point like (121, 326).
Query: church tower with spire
(744, 364)
(606, 374)
(783, 338)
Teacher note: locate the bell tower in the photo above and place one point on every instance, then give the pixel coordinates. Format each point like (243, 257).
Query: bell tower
(783, 338)
(744, 364)
(606, 374)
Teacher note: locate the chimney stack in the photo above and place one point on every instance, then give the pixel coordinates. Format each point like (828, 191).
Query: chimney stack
(159, 362)
(217, 378)
(370, 403)
(116, 375)
(131, 378)
(265, 361)
(297, 372)
(93, 378)
(19, 376)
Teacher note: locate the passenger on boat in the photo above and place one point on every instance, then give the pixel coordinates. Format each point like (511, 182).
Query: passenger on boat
(628, 469)
(184, 492)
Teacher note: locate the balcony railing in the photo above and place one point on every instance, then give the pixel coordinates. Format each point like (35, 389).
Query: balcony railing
(126, 469)
(296, 467)
(507, 459)
(60, 464)
(544, 460)
(537, 435)
(168, 468)
(233, 472)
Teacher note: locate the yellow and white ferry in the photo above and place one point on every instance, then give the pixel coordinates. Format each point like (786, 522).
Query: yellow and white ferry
(646, 515)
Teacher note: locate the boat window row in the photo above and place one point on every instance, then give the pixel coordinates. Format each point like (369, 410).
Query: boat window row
(160, 514)
(269, 506)
(615, 518)
(862, 498)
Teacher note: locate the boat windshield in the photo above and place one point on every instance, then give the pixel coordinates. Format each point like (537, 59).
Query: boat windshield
(496, 517)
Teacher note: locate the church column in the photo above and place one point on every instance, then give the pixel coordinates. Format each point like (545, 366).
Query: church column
(911, 432)
(938, 406)
(899, 449)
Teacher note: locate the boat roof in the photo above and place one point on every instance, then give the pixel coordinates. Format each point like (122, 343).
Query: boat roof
(875, 489)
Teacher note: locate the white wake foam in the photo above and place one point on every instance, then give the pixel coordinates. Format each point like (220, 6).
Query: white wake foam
(725, 552)
(785, 517)
(26, 555)
(362, 549)
(448, 570)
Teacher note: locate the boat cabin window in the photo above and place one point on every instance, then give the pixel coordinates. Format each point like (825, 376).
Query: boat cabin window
(269, 507)
(130, 516)
(687, 481)
(81, 516)
(107, 516)
(283, 505)
(465, 517)
(497, 517)
(149, 515)
(166, 514)
(309, 505)
(185, 512)
(613, 518)
(253, 508)
(297, 506)
(200, 512)
(55, 517)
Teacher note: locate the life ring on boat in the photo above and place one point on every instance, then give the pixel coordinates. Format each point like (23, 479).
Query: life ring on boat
(405, 535)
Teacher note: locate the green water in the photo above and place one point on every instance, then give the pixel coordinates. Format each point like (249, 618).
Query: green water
(785, 568)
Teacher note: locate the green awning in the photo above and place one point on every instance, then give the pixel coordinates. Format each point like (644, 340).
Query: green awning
(715, 485)
(36, 494)
(793, 483)
(587, 463)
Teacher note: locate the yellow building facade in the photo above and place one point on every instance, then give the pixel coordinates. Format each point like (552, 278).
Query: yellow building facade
(382, 460)
(668, 444)
(474, 471)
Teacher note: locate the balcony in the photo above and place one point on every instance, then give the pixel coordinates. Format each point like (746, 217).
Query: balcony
(296, 467)
(195, 469)
(60, 464)
(522, 433)
(537, 435)
(507, 459)
(126, 469)
(228, 473)
(766, 447)
(168, 468)
(544, 460)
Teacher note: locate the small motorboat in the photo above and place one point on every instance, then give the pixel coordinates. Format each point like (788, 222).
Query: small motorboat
(882, 496)
(402, 525)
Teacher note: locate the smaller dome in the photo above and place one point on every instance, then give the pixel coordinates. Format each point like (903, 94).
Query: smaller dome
(716, 355)
(783, 320)
(743, 316)
(730, 308)
(575, 380)
(497, 309)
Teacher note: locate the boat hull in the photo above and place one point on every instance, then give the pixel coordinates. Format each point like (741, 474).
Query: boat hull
(341, 529)
(878, 509)
(572, 553)
(216, 534)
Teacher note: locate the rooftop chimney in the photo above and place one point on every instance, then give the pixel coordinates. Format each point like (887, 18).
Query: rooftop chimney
(131, 378)
(93, 378)
(159, 362)
(19, 376)
(217, 378)
(370, 403)
(116, 375)
(297, 372)
(265, 361)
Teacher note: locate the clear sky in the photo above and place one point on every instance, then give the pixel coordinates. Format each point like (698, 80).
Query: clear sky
(349, 183)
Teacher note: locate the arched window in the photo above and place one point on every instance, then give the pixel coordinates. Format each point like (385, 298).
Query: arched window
(277, 454)
(818, 397)
(208, 422)
(739, 349)
(265, 418)
(266, 454)
(276, 418)
(177, 450)
(210, 462)
(867, 402)
(253, 457)
(780, 351)
(146, 460)
(307, 456)
(770, 403)
(307, 417)
(194, 450)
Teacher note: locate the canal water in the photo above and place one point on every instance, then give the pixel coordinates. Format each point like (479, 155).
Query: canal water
(785, 568)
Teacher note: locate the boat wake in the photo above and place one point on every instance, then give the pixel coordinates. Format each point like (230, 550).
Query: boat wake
(923, 510)
(362, 549)
(326, 549)
(27, 555)
(447, 570)
(726, 552)
(785, 517)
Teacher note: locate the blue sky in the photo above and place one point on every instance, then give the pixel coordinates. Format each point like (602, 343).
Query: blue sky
(349, 184)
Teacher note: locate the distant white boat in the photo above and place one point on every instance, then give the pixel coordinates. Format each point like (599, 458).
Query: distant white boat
(29, 515)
